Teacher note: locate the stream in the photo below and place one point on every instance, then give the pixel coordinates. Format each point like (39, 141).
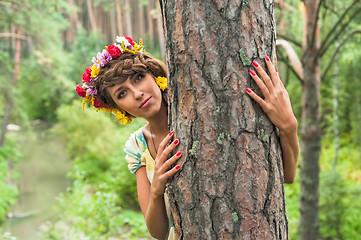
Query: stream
(42, 176)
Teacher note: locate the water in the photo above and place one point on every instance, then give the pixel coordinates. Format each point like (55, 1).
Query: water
(42, 177)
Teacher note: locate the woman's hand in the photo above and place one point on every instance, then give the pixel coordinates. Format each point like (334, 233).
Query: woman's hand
(277, 103)
(161, 172)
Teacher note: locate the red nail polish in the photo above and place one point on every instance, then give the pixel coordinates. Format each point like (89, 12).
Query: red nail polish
(248, 90)
(255, 64)
(267, 58)
(170, 134)
(176, 141)
(252, 72)
(177, 167)
(178, 153)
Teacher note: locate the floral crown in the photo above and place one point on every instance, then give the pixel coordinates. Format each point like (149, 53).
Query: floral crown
(88, 90)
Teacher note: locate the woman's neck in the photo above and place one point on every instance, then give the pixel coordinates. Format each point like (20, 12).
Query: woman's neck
(159, 123)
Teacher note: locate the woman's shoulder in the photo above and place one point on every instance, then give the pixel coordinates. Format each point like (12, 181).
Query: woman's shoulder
(136, 141)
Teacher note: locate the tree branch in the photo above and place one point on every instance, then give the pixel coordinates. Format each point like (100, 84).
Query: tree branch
(297, 43)
(333, 30)
(345, 38)
(13, 35)
(315, 25)
(294, 62)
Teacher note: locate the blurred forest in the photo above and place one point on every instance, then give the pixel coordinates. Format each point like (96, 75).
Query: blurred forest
(45, 48)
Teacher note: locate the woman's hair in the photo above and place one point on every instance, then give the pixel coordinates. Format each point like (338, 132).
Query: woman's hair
(125, 66)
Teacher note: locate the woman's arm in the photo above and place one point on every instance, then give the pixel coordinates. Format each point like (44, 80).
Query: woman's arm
(151, 196)
(277, 106)
(153, 207)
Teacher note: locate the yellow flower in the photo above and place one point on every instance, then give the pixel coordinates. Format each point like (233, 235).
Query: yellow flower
(95, 71)
(162, 83)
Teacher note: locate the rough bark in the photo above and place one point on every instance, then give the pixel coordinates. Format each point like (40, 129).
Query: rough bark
(311, 130)
(231, 183)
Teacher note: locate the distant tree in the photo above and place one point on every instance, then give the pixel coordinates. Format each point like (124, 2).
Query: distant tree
(307, 68)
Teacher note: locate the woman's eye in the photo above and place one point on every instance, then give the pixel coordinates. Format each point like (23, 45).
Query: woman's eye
(121, 94)
(139, 77)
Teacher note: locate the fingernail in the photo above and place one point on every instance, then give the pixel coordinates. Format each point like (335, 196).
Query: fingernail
(177, 167)
(170, 134)
(178, 153)
(255, 63)
(248, 90)
(252, 72)
(176, 141)
(267, 58)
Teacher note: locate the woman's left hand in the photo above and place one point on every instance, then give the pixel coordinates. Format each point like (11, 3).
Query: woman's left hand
(277, 104)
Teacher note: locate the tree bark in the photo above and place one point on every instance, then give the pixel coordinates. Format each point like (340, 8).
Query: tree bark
(231, 183)
(311, 129)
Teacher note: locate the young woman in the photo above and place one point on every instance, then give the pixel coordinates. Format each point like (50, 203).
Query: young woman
(129, 83)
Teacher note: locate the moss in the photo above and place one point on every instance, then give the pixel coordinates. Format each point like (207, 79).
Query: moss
(245, 60)
(264, 136)
(235, 217)
(220, 137)
(194, 147)
(260, 120)
(218, 109)
(245, 3)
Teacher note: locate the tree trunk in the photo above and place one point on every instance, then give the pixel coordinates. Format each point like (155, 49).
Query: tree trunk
(8, 97)
(93, 23)
(150, 22)
(128, 18)
(160, 31)
(231, 183)
(311, 130)
(335, 109)
(119, 19)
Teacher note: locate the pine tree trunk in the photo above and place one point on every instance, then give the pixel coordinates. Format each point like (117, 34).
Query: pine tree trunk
(119, 19)
(311, 130)
(230, 185)
(128, 18)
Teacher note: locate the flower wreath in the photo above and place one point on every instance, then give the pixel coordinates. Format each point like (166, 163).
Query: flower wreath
(88, 90)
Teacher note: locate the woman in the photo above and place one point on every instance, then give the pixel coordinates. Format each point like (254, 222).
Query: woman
(129, 83)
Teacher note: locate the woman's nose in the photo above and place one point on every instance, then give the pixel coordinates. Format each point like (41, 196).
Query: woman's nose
(138, 94)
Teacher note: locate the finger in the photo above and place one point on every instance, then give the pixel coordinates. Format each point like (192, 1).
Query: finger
(165, 141)
(260, 83)
(171, 172)
(164, 155)
(274, 76)
(257, 98)
(167, 164)
(264, 76)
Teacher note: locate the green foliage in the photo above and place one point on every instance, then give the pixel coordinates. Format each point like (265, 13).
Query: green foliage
(6, 236)
(102, 184)
(9, 155)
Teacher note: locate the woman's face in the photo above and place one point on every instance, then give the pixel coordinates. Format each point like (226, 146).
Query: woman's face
(139, 95)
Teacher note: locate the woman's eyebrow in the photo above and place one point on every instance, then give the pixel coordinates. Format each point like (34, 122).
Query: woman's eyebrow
(119, 88)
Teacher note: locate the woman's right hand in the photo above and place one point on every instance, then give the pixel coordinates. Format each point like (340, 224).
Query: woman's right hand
(162, 165)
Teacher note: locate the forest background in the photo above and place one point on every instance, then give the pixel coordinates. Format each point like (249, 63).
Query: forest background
(45, 48)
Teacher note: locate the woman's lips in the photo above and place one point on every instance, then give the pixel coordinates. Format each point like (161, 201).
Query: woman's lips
(145, 103)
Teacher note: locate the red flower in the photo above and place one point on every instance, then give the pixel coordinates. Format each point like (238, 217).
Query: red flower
(80, 90)
(99, 103)
(114, 51)
(87, 74)
(130, 40)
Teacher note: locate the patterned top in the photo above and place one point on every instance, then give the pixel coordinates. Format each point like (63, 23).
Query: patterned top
(138, 155)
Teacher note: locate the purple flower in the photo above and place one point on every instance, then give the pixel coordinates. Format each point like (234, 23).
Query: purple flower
(102, 58)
